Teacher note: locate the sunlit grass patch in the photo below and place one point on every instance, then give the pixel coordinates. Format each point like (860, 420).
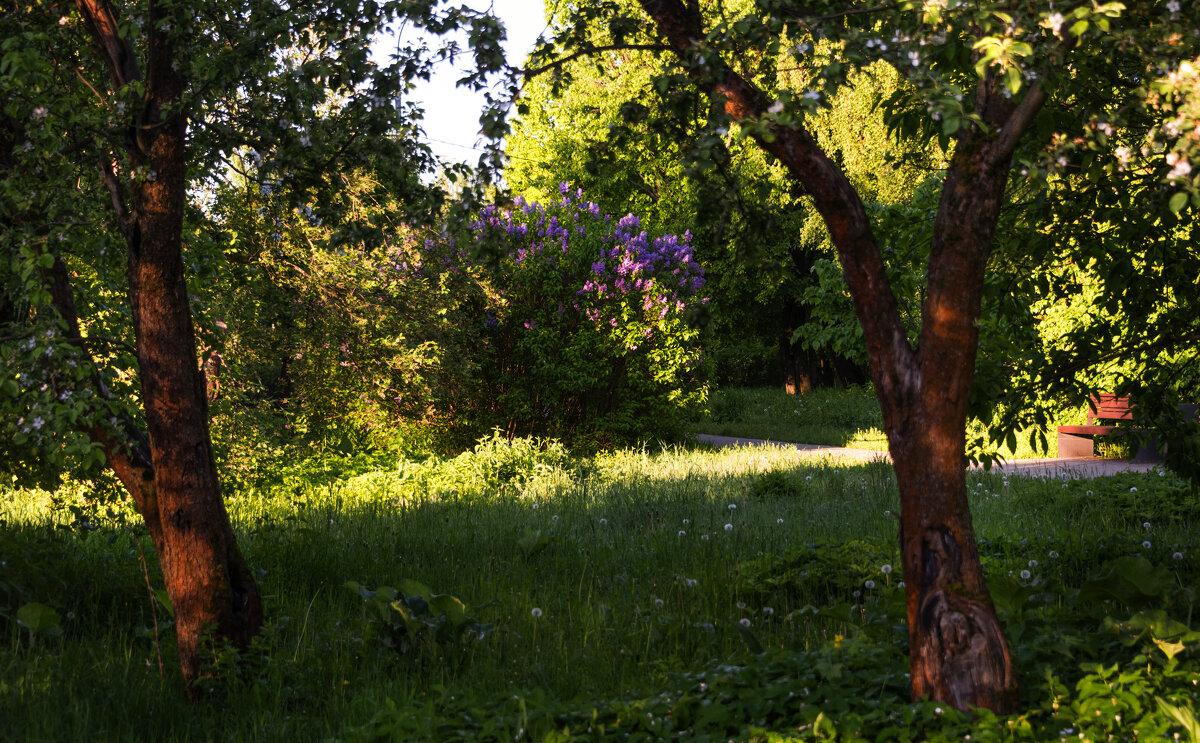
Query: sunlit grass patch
(603, 584)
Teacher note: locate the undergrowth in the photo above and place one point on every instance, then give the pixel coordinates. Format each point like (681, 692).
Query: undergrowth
(518, 593)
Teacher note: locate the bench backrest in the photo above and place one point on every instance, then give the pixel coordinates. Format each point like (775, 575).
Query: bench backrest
(1109, 408)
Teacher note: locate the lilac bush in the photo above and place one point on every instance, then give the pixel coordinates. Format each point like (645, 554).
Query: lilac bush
(588, 329)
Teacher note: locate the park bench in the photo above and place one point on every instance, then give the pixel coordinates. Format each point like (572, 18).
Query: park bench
(1075, 442)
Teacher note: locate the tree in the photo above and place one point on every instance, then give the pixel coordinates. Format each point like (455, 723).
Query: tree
(642, 144)
(115, 116)
(995, 84)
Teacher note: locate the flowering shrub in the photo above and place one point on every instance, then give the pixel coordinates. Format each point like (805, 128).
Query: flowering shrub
(588, 326)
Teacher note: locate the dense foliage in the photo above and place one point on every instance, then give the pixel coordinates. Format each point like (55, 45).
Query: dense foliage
(543, 319)
(589, 329)
(642, 142)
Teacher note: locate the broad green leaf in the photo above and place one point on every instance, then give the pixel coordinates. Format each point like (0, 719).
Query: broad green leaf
(411, 587)
(38, 618)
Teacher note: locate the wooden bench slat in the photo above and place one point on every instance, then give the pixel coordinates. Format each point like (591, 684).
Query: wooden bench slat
(1089, 430)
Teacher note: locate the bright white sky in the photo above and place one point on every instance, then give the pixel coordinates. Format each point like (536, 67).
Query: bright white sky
(451, 113)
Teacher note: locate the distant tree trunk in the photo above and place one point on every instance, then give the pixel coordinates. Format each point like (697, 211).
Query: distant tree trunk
(211, 588)
(957, 650)
(796, 364)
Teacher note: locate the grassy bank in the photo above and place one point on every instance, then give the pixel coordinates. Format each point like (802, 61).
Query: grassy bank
(685, 594)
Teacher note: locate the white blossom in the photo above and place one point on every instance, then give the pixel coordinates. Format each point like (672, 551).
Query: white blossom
(776, 107)
(1055, 23)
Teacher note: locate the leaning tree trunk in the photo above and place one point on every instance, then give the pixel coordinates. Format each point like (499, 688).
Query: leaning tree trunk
(212, 591)
(958, 653)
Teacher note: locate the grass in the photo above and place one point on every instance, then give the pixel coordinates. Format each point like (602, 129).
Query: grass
(644, 566)
(851, 418)
(830, 417)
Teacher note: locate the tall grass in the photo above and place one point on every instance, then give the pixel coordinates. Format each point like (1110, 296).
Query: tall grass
(641, 564)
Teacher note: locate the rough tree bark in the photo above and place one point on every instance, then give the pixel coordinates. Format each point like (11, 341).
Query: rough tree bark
(957, 650)
(211, 588)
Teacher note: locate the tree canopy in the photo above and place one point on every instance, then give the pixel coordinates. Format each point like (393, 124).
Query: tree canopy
(1019, 98)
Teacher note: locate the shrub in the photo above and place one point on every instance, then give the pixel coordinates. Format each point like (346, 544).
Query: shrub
(588, 328)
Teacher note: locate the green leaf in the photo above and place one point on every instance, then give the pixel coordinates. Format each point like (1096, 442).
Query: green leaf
(160, 594)
(38, 618)
(454, 609)
(1012, 80)
(1170, 648)
(1184, 716)
(411, 587)
(1177, 202)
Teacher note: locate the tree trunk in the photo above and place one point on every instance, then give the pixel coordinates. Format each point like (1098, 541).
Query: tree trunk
(957, 650)
(958, 653)
(212, 591)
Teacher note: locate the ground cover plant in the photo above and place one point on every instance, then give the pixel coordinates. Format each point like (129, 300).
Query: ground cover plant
(681, 594)
(851, 417)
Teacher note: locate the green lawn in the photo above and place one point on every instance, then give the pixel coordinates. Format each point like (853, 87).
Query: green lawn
(681, 594)
(846, 417)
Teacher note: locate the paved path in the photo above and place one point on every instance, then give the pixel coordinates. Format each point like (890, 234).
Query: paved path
(1064, 468)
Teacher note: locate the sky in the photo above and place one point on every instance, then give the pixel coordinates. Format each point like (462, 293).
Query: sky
(451, 113)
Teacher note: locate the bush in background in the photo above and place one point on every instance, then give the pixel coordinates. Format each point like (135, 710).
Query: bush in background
(590, 326)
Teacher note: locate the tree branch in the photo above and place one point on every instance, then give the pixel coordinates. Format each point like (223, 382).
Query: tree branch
(835, 198)
(530, 72)
(101, 20)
